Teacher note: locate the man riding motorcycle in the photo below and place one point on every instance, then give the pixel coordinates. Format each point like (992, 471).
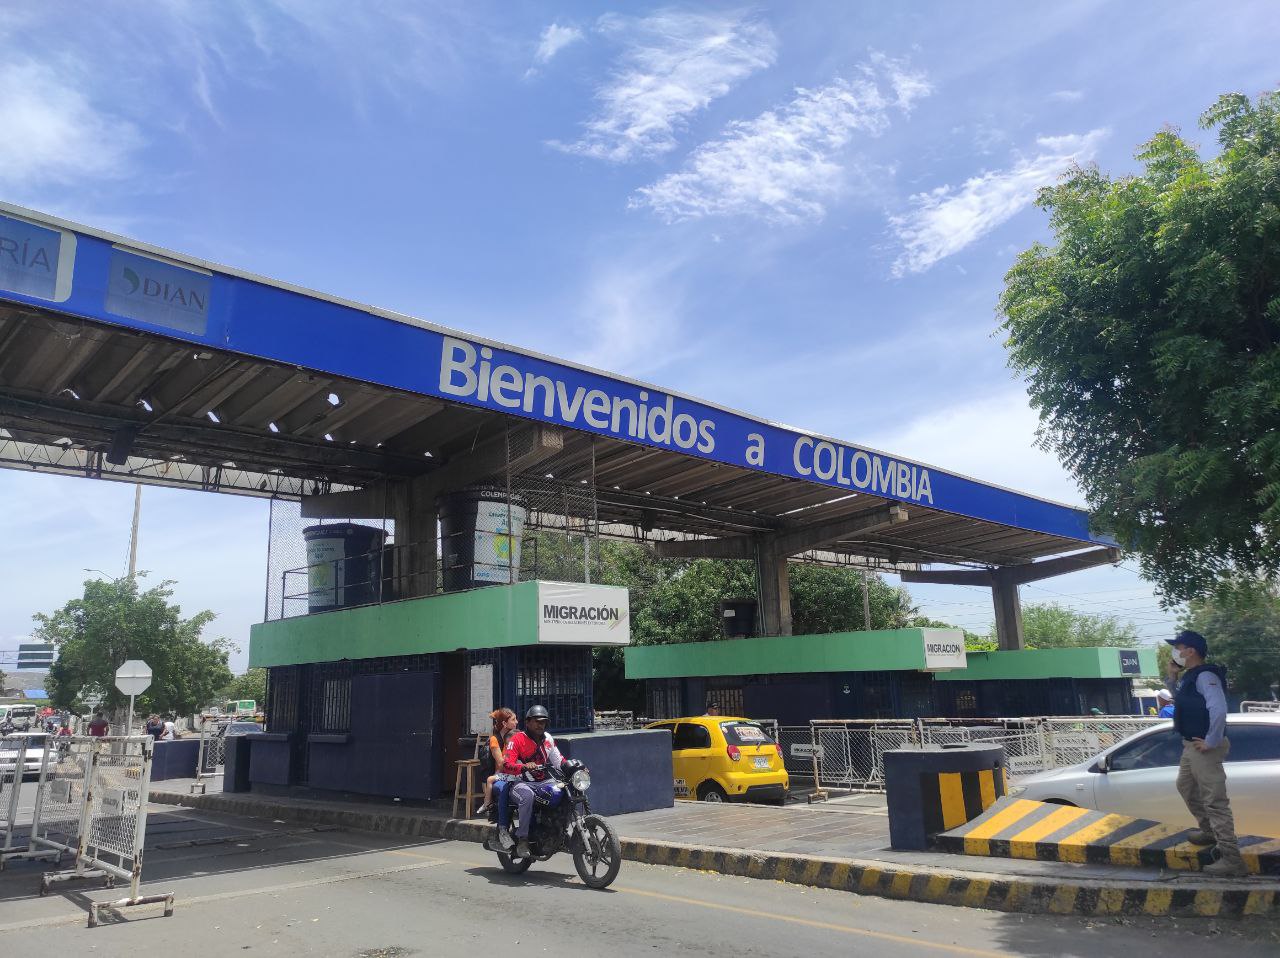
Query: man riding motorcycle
(526, 752)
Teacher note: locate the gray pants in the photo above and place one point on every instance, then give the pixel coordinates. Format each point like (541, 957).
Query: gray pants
(523, 793)
(1202, 783)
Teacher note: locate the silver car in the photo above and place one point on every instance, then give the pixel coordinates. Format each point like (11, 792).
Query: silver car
(1136, 776)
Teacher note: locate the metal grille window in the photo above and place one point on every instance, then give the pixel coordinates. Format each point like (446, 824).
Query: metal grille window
(727, 693)
(283, 688)
(663, 699)
(330, 698)
(560, 679)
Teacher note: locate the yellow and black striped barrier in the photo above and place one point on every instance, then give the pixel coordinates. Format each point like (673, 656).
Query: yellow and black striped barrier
(1019, 828)
(949, 799)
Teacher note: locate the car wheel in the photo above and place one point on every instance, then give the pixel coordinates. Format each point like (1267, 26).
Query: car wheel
(711, 792)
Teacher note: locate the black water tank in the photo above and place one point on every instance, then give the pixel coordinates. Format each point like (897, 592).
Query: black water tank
(480, 537)
(344, 565)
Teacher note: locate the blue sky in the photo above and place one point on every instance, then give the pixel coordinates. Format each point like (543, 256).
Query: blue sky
(800, 210)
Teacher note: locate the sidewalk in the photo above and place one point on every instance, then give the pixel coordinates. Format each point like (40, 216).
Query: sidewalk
(840, 845)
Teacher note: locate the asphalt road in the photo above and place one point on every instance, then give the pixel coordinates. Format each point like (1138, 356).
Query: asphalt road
(252, 887)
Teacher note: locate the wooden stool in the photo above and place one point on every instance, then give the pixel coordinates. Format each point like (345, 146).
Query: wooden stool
(467, 796)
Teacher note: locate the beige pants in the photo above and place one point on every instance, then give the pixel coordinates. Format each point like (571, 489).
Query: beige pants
(1202, 782)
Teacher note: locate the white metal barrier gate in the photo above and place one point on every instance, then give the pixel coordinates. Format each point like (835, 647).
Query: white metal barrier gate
(17, 753)
(1260, 706)
(92, 802)
(849, 753)
(213, 749)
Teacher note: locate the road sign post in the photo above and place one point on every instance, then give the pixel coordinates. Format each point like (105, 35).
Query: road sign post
(133, 678)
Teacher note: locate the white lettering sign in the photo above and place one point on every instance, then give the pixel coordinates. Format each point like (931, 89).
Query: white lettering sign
(570, 613)
(944, 650)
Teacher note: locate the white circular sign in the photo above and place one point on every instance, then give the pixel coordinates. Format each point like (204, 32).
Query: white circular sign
(134, 677)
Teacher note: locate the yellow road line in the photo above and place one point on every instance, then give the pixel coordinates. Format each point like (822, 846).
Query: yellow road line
(810, 923)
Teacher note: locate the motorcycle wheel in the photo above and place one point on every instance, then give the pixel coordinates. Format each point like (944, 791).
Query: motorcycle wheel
(514, 866)
(598, 863)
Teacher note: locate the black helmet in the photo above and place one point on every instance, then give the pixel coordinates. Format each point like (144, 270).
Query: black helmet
(536, 712)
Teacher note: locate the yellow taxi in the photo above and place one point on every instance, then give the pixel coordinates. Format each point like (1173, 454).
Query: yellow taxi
(718, 758)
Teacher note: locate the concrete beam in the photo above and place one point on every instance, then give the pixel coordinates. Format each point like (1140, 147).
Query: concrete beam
(1036, 571)
(787, 542)
(774, 599)
(373, 502)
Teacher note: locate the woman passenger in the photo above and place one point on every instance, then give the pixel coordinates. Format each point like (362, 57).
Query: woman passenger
(504, 725)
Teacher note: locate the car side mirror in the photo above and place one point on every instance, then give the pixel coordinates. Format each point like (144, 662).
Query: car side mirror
(1102, 765)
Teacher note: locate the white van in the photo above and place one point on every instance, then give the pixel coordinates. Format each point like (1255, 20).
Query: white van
(22, 716)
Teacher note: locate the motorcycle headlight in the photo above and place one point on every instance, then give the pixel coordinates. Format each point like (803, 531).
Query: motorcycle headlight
(581, 780)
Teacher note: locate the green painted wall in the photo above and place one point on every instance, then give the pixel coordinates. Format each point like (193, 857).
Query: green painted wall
(1049, 664)
(837, 652)
(487, 618)
(896, 649)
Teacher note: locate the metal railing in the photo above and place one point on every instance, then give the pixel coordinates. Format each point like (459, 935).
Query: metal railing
(398, 571)
(849, 753)
(1260, 706)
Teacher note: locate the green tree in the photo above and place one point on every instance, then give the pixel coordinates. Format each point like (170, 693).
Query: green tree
(1149, 335)
(113, 621)
(1242, 626)
(251, 685)
(1051, 626)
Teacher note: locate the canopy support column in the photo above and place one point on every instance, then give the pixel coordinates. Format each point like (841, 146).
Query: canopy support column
(774, 588)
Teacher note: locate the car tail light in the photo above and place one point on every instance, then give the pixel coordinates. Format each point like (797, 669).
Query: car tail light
(778, 749)
(734, 753)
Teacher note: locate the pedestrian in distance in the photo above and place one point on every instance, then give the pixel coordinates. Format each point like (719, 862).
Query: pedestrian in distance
(98, 726)
(154, 726)
(713, 708)
(1165, 698)
(1200, 717)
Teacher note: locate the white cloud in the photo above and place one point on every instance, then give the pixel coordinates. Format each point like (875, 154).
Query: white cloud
(554, 39)
(1067, 96)
(946, 220)
(786, 164)
(674, 64)
(54, 134)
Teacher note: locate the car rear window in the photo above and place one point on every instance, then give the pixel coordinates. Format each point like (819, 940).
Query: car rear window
(745, 733)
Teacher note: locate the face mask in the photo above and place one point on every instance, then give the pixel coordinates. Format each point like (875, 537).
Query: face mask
(1177, 658)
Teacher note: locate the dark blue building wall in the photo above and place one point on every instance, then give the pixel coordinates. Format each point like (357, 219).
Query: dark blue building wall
(390, 748)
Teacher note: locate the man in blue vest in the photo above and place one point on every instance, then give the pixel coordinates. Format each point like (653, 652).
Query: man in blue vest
(1200, 717)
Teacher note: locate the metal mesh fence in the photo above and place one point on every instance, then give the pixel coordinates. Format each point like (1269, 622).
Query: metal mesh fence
(61, 793)
(850, 752)
(117, 811)
(213, 748)
(1069, 741)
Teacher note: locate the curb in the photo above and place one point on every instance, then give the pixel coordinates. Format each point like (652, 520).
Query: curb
(921, 884)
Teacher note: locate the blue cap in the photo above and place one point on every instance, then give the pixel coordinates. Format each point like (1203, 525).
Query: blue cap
(1192, 640)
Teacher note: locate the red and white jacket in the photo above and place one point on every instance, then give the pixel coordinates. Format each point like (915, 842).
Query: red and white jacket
(522, 750)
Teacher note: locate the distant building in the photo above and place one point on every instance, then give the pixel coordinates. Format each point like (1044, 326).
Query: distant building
(36, 655)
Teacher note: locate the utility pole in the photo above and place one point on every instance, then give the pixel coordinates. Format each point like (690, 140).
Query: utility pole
(866, 600)
(133, 533)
